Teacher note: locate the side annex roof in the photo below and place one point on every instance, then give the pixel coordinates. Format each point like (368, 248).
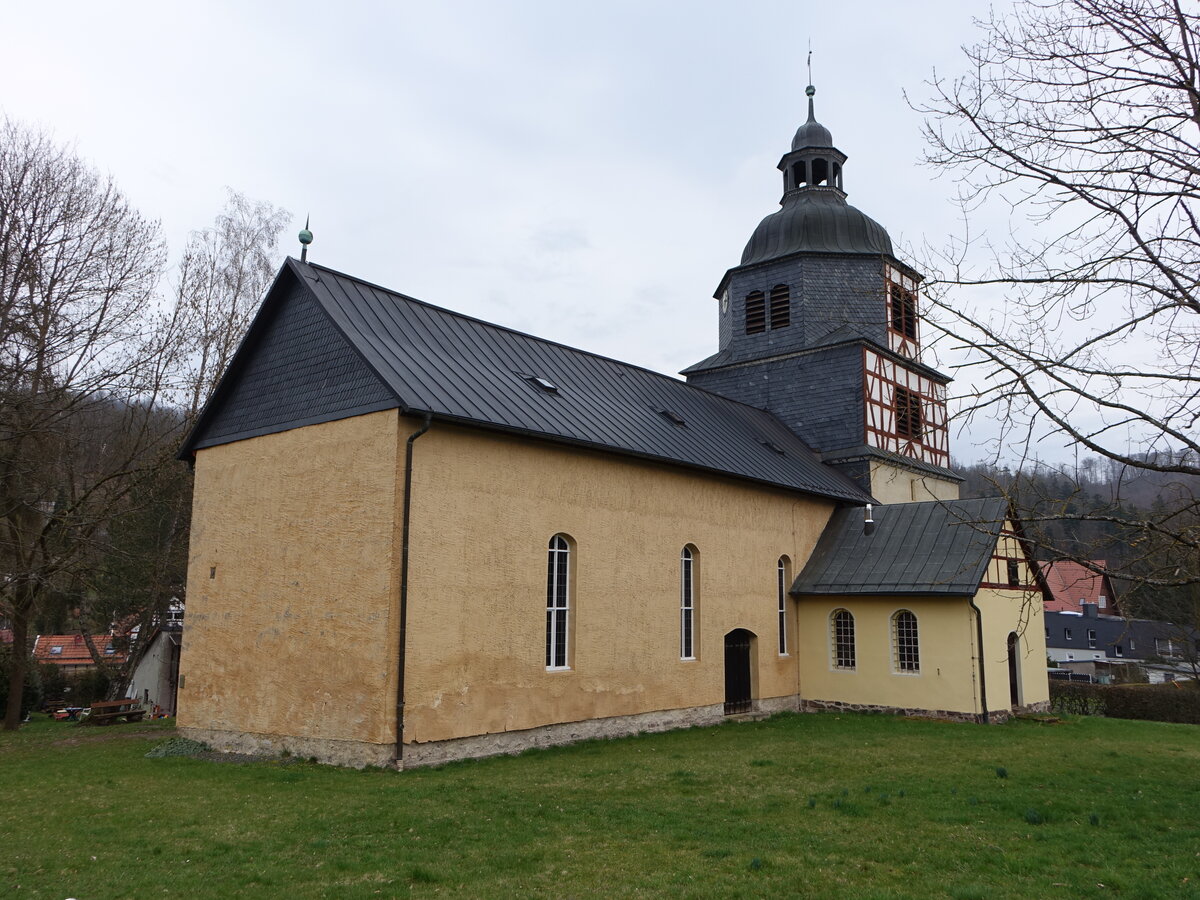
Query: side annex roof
(460, 369)
(930, 547)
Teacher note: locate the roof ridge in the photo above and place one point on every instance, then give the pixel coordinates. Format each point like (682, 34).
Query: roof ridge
(541, 340)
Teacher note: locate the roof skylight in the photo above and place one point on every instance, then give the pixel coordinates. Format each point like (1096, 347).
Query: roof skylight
(544, 383)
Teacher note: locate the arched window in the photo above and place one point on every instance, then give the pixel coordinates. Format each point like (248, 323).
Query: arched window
(781, 306)
(687, 604)
(781, 585)
(842, 633)
(756, 313)
(906, 648)
(558, 602)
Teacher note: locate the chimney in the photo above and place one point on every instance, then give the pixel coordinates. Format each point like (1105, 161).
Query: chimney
(868, 522)
(1089, 609)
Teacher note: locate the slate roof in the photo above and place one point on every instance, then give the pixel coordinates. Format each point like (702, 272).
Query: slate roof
(933, 547)
(462, 369)
(815, 220)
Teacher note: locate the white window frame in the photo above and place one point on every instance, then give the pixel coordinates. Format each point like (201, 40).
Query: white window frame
(1091, 638)
(906, 660)
(687, 603)
(558, 604)
(781, 577)
(842, 639)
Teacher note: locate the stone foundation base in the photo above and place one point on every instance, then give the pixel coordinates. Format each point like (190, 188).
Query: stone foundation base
(995, 716)
(356, 754)
(359, 754)
(513, 742)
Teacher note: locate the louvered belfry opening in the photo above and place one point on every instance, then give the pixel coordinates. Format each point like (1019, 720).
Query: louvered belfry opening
(908, 414)
(756, 313)
(781, 306)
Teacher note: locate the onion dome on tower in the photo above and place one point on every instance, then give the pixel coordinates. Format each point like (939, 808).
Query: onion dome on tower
(815, 216)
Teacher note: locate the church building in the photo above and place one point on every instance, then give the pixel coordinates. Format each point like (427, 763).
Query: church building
(418, 536)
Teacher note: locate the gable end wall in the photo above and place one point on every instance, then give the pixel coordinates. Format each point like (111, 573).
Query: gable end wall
(300, 371)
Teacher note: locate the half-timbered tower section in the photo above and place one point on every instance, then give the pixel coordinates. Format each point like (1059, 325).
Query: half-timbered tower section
(820, 323)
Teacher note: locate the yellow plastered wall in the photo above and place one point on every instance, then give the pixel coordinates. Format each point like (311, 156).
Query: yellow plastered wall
(292, 582)
(950, 677)
(947, 680)
(892, 484)
(485, 507)
(1006, 612)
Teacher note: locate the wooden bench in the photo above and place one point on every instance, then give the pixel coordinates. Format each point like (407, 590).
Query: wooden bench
(108, 711)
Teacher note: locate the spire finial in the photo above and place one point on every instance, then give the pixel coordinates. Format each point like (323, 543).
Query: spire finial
(810, 90)
(306, 238)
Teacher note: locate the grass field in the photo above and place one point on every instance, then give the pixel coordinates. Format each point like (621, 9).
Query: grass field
(836, 806)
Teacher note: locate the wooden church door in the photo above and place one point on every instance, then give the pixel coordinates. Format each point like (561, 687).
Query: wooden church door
(737, 672)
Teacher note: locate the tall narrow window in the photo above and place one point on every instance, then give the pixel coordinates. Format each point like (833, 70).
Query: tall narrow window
(687, 604)
(558, 602)
(843, 639)
(781, 306)
(908, 414)
(906, 648)
(781, 591)
(756, 313)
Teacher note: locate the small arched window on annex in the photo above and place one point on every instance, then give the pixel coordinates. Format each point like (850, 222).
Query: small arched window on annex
(558, 602)
(781, 307)
(689, 559)
(841, 635)
(782, 580)
(756, 313)
(906, 643)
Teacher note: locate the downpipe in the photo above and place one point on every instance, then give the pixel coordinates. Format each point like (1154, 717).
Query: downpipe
(405, 529)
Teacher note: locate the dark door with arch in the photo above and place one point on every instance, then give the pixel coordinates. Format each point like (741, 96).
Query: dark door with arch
(1014, 687)
(737, 672)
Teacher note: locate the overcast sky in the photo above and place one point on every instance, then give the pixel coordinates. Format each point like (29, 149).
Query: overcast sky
(585, 172)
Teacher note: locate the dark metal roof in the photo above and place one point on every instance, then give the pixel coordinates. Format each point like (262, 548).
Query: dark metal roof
(815, 220)
(812, 133)
(462, 369)
(934, 547)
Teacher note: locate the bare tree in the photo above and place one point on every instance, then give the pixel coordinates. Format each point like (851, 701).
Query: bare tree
(1078, 126)
(83, 363)
(224, 273)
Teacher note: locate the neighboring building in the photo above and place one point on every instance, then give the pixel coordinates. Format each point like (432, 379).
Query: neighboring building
(155, 678)
(1100, 645)
(1070, 585)
(418, 536)
(70, 651)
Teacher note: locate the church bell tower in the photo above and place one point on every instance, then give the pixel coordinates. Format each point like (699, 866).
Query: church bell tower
(820, 324)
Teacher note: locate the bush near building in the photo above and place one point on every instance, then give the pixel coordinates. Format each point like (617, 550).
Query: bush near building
(1172, 702)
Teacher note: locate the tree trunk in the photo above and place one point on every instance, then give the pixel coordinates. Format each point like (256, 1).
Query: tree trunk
(16, 675)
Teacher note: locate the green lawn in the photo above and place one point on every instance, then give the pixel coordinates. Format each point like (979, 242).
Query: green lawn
(831, 806)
